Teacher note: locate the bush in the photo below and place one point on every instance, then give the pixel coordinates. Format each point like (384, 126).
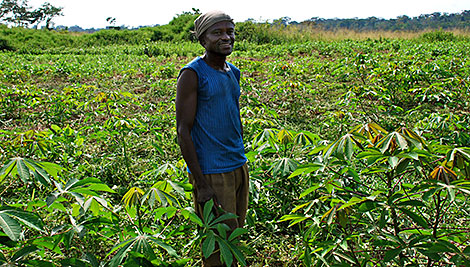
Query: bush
(438, 36)
(5, 45)
(112, 37)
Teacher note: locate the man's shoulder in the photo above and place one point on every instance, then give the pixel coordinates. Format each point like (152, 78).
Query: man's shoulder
(194, 65)
(235, 70)
(233, 66)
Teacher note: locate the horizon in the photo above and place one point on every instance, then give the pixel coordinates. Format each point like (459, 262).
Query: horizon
(142, 26)
(92, 14)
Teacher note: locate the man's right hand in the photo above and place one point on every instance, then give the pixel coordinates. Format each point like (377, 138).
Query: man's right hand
(204, 194)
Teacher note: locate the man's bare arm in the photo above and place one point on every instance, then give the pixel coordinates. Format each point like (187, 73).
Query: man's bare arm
(186, 105)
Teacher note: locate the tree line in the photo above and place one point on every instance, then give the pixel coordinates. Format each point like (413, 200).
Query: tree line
(19, 13)
(436, 20)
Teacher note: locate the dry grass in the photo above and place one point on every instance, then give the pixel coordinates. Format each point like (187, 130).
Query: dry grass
(311, 33)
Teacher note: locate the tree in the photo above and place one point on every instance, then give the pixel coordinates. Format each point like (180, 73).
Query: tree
(111, 20)
(20, 13)
(14, 11)
(6, 7)
(46, 13)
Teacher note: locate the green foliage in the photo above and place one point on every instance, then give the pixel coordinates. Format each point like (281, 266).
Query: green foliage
(113, 37)
(383, 197)
(5, 45)
(215, 231)
(358, 151)
(34, 41)
(438, 36)
(178, 29)
(10, 219)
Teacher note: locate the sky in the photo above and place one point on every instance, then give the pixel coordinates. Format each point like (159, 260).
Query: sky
(93, 13)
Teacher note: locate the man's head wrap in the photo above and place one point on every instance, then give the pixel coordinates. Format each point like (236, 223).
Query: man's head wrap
(205, 21)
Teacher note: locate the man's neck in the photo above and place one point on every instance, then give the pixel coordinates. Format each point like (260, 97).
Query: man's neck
(215, 61)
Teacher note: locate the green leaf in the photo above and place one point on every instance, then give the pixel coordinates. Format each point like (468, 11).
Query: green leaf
(402, 165)
(222, 228)
(207, 210)
(236, 233)
(177, 187)
(10, 227)
(367, 206)
(439, 248)
(391, 254)
(342, 147)
(284, 137)
(394, 197)
(401, 141)
(429, 193)
(309, 190)
(41, 263)
(306, 169)
(39, 173)
(283, 167)
(123, 247)
(305, 138)
(266, 136)
(92, 260)
(28, 218)
(353, 201)
(100, 187)
(393, 162)
(415, 217)
(225, 252)
(72, 262)
(413, 203)
(23, 171)
(51, 168)
(40, 178)
(208, 245)
(383, 218)
(162, 197)
(238, 254)
(466, 251)
(449, 245)
(93, 205)
(23, 252)
(226, 216)
(410, 155)
(294, 218)
(166, 247)
(80, 183)
(372, 155)
(142, 246)
(348, 150)
(189, 213)
(384, 143)
(7, 169)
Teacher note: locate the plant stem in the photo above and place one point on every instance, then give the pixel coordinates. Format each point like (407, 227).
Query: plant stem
(126, 159)
(438, 214)
(139, 219)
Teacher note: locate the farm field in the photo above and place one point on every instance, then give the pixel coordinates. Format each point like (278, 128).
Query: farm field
(359, 155)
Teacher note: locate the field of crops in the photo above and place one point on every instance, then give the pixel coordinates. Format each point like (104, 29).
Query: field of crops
(359, 155)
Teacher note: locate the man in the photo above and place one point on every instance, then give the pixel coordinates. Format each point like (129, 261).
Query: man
(209, 128)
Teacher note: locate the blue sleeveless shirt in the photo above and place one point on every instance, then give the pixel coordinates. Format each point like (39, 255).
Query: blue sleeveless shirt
(216, 132)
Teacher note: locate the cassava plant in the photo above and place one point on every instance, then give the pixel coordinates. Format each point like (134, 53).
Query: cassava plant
(384, 198)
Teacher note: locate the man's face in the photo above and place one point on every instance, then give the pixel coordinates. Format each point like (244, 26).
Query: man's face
(219, 38)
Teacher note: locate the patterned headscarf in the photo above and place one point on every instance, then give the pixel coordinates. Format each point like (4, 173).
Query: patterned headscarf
(205, 21)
